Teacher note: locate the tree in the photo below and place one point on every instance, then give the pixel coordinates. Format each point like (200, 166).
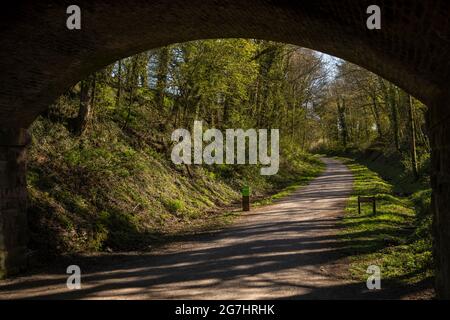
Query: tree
(342, 121)
(87, 96)
(163, 68)
(412, 132)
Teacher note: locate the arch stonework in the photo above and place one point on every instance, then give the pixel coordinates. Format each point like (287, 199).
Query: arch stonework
(40, 59)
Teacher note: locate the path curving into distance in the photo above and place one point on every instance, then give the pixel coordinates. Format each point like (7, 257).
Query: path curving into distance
(287, 250)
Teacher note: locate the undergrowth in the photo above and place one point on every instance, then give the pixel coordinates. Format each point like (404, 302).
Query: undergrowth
(113, 189)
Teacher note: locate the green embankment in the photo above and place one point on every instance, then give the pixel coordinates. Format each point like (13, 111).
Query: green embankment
(398, 237)
(112, 189)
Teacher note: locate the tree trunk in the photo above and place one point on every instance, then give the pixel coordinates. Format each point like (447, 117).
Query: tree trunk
(412, 127)
(131, 85)
(119, 83)
(293, 121)
(389, 99)
(85, 110)
(394, 115)
(163, 60)
(143, 69)
(376, 114)
(342, 122)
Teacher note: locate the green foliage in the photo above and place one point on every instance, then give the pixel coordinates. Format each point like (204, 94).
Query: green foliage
(364, 111)
(174, 206)
(114, 187)
(109, 191)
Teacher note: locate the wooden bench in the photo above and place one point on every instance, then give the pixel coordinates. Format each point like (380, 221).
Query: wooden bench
(367, 200)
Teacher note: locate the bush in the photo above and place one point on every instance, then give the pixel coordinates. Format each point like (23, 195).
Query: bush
(174, 206)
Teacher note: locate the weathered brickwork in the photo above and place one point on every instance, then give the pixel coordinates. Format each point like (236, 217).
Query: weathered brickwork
(439, 132)
(13, 201)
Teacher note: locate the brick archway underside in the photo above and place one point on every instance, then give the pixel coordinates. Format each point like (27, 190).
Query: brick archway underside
(40, 58)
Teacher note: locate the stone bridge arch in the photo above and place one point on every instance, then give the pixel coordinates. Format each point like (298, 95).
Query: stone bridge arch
(40, 58)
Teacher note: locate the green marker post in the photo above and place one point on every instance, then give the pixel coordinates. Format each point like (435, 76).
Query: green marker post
(246, 198)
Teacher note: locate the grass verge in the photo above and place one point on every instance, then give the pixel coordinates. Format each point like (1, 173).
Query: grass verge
(396, 238)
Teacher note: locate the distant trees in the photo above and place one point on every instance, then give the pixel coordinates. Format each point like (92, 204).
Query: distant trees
(235, 82)
(259, 84)
(375, 112)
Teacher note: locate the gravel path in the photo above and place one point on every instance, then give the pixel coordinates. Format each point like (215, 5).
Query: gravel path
(285, 250)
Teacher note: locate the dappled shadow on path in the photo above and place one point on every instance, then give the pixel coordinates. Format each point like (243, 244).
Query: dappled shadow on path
(289, 250)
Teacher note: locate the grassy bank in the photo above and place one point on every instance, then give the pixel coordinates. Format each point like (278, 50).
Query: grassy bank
(396, 238)
(115, 189)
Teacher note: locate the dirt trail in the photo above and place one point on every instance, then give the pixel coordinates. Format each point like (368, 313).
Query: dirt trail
(284, 250)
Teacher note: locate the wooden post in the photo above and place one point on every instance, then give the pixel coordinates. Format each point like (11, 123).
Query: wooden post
(359, 205)
(246, 198)
(367, 200)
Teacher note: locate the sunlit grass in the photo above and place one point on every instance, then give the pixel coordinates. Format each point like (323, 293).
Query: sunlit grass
(389, 238)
